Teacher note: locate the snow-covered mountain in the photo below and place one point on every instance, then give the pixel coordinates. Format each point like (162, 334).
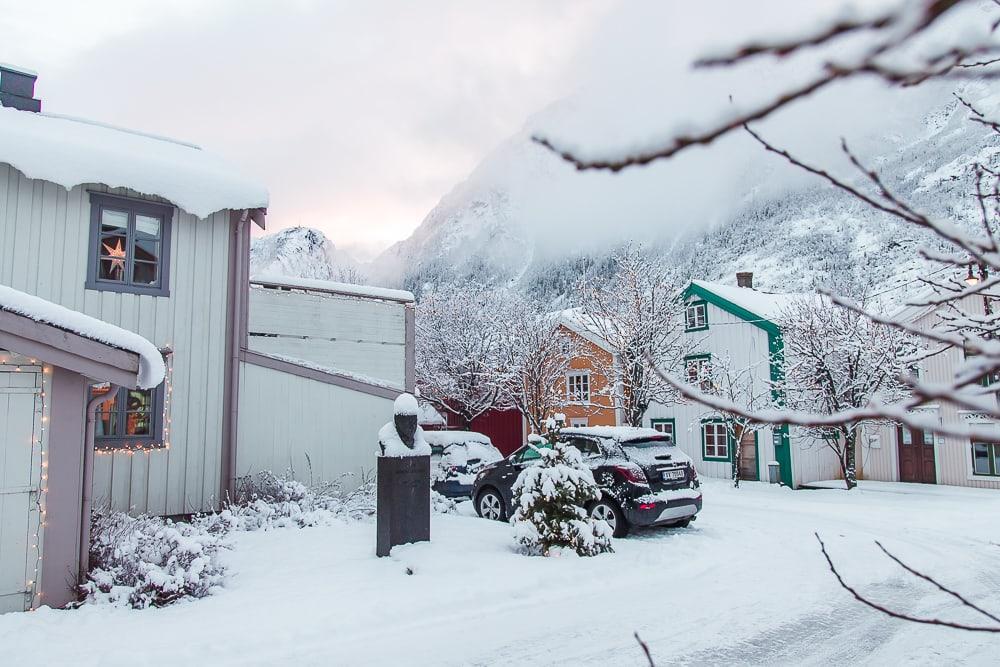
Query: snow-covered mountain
(305, 253)
(523, 216)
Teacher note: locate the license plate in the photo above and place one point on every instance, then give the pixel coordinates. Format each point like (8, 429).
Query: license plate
(673, 474)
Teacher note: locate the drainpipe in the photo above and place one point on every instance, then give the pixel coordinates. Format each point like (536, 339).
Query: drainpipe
(88, 481)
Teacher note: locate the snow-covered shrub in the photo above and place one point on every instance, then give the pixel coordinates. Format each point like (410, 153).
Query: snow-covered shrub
(442, 504)
(266, 500)
(551, 496)
(149, 561)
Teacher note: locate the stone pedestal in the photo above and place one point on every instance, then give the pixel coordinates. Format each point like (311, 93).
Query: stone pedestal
(404, 502)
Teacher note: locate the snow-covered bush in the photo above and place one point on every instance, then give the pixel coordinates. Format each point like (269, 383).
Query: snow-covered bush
(551, 496)
(266, 500)
(442, 504)
(149, 561)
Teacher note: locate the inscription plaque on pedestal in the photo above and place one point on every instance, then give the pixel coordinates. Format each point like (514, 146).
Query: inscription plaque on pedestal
(404, 502)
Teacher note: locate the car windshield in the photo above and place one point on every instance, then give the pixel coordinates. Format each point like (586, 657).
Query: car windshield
(530, 452)
(646, 443)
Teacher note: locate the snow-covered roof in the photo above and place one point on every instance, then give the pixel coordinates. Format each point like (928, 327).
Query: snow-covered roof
(765, 304)
(71, 151)
(151, 367)
(577, 321)
(334, 287)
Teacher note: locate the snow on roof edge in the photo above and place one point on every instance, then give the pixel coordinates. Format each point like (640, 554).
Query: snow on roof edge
(151, 367)
(73, 152)
(335, 287)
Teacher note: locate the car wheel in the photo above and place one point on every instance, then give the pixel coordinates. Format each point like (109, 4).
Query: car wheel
(609, 512)
(489, 505)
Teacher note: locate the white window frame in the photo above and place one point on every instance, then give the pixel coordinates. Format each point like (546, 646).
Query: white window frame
(582, 398)
(696, 316)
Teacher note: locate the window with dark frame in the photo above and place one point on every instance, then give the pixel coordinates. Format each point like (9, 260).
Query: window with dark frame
(128, 419)
(129, 245)
(986, 458)
(665, 426)
(696, 316)
(578, 387)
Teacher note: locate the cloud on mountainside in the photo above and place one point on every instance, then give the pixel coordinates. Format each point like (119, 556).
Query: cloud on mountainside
(638, 86)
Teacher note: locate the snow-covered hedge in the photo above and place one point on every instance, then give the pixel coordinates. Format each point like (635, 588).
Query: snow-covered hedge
(151, 561)
(266, 500)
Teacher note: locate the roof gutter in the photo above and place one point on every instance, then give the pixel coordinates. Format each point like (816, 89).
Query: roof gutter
(236, 340)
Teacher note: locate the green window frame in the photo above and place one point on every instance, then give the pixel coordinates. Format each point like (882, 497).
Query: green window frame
(986, 459)
(692, 321)
(704, 383)
(715, 426)
(667, 421)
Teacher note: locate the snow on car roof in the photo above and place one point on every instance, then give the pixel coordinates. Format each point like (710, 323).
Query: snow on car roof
(619, 433)
(74, 151)
(151, 367)
(443, 438)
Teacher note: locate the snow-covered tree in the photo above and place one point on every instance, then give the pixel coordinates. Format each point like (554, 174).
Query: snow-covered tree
(459, 337)
(839, 360)
(901, 45)
(551, 497)
(741, 384)
(638, 312)
(536, 353)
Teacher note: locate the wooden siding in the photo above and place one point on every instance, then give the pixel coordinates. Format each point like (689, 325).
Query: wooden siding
(744, 345)
(363, 336)
(319, 431)
(952, 456)
(44, 232)
(601, 409)
(20, 472)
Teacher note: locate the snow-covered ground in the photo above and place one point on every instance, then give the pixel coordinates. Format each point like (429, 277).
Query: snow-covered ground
(745, 584)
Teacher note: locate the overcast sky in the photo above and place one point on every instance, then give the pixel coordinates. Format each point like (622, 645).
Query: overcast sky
(358, 116)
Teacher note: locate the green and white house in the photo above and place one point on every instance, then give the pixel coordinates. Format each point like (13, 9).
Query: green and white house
(739, 326)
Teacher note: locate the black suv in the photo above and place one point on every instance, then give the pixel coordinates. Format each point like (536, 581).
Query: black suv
(645, 480)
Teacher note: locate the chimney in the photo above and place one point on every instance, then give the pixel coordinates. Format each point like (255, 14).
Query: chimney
(744, 279)
(17, 88)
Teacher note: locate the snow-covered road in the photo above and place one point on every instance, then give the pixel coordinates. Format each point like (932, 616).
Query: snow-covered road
(745, 584)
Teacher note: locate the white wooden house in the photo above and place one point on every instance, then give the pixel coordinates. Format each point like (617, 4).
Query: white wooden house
(894, 453)
(152, 235)
(739, 326)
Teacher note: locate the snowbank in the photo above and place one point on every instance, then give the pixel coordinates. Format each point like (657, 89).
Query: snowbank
(71, 152)
(619, 433)
(335, 287)
(151, 367)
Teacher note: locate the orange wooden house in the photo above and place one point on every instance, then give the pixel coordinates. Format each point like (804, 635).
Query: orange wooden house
(589, 402)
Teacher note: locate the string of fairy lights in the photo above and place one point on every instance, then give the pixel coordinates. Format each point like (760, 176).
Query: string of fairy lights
(39, 458)
(128, 448)
(38, 455)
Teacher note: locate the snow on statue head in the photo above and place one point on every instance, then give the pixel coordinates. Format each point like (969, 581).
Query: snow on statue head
(405, 410)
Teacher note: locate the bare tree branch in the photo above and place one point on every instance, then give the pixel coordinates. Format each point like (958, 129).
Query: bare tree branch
(906, 617)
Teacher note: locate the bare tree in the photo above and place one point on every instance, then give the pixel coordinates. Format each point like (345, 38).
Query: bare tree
(459, 347)
(537, 354)
(638, 312)
(908, 45)
(839, 360)
(741, 385)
